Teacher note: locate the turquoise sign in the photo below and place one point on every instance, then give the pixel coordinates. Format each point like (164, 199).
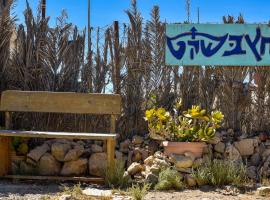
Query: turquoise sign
(218, 44)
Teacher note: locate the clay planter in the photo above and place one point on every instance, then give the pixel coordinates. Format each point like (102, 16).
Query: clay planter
(181, 147)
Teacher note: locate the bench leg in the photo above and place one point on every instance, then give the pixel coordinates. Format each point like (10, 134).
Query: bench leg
(110, 152)
(5, 159)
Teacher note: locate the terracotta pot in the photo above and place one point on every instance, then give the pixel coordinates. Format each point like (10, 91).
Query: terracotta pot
(181, 147)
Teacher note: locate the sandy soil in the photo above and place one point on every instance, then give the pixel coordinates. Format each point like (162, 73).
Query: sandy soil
(38, 191)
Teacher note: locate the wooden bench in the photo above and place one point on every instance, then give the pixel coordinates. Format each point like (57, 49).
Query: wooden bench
(56, 102)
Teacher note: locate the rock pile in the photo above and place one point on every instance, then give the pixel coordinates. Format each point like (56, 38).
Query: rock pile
(253, 152)
(64, 157)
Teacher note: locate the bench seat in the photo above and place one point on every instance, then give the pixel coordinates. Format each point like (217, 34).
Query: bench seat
(56, 135)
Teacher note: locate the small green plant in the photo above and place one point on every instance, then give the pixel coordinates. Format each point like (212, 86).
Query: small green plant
(169, 179)
(114, 176)
(192, 125)
(220, 172)
(139, 192)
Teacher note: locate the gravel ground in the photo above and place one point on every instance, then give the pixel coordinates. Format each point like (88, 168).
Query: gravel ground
(201, 195)
(31, 190)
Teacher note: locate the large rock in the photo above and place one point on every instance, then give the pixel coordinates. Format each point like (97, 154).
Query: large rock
(74, 154)
(245, 147)
(77, 167)
(181, 161)
(220, 147)
(59, 150)
(232, 154)
(27, 169)
(39, 151)
(134, 168)
(98, 164)
(48, 165)
(96, 148)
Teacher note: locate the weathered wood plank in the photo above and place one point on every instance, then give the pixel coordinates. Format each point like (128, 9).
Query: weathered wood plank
(56, 135)
(60, 102)
(57, 178)
(110, 152)
(4, 156)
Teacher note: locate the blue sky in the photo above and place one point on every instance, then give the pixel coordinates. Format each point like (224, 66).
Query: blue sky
(104, 12)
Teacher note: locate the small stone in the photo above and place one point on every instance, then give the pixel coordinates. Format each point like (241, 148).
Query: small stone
(161, 163)
(263, 137)
(151, 178)
(264, 191)
(137, 140)
(191, 181)
(191, 155)
(101, 193)
(96, 148)
(59, 150)
(77, 167)
(137, 156)
(252, 172)
(48, 165)
(144, 154)
(153, 147)
(39, 151)
(119, 156)
(265, 154)
(214, 140)
(155, 169)
(124, 146)
(149, 161)
(198, 162)
(65, 197)
(245, 147)
(255, 159)
(134, 168)
(181, 161)
(220, 147)
(98, 164)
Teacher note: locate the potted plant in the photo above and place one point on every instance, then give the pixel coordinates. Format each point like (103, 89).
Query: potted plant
(182, 132)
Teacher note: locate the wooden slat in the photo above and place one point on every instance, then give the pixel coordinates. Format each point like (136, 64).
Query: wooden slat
(110, 152)
(61, 135)
(60, 102)
(57, 178)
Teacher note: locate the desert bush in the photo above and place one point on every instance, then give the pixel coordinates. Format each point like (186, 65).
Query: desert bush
(114, 176)
(138, 192)
(220, 172)
(169, 179)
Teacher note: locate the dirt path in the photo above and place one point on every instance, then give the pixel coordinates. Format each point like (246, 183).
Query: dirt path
(200, 195)
(41, 190)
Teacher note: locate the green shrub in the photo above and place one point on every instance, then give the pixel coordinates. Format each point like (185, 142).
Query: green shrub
(220, 172)
(114, 176)
(169, 179)
(138, 192)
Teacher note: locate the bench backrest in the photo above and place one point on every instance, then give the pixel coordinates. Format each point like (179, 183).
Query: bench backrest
(60, 102)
